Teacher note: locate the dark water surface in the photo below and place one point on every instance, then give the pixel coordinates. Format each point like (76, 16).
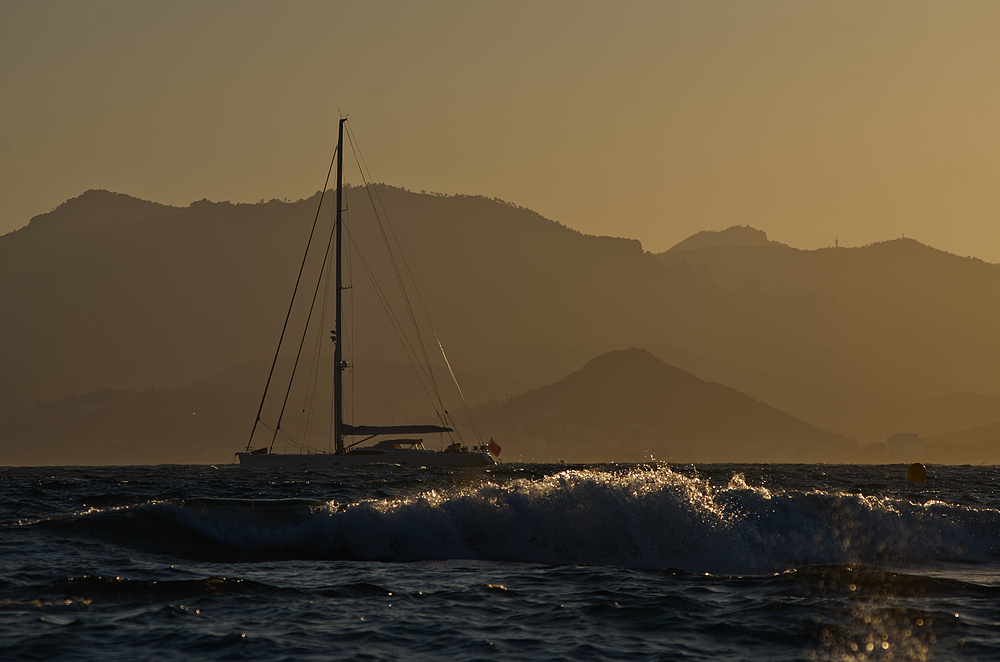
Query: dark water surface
(520, 562)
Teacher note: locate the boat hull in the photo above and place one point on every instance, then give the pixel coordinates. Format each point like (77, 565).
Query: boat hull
(331, 460)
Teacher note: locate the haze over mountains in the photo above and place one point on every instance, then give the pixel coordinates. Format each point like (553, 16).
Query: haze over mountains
(901, 335)
(111, 292)
(628, 405)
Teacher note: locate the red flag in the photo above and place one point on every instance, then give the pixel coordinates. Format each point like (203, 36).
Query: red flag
(494, 447)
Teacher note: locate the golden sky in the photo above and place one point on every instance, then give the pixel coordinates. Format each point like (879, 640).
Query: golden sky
(814, 121)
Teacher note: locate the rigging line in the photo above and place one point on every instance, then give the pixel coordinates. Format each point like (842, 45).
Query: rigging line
(395, 266)
(359, 158)
(331, 446)
(384, 300)
(312, 390)
(426, 367)
(290, 303)
(427, 315)
(395, 324)
(347, 339)
(284, 436)
(320, 335)
(398, 329)
(372, 190)
(439, 405)
(333, 359)
(423, 371)
(305, 330)
(455, 379)
(428, 374)
(349, 344)
(407, 346)
(366, 178)
(369, 188)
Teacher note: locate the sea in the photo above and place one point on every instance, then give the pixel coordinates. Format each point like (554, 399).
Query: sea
(516, 562)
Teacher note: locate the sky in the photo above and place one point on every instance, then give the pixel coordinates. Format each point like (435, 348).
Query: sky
(848, 121)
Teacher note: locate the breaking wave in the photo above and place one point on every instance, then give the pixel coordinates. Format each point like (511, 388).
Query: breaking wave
(642, 518)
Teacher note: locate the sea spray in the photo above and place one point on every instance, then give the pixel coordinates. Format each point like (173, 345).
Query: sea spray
(648, 518)
(536, 562)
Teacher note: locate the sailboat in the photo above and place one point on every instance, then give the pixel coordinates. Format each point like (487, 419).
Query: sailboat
(393, 444)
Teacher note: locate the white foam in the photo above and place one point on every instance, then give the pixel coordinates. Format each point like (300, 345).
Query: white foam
(640, 518)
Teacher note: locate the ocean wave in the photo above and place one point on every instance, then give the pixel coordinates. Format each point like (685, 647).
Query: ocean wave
(83, 592)
(652, 518)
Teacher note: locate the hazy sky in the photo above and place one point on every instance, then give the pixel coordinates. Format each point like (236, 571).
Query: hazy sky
(857, 121)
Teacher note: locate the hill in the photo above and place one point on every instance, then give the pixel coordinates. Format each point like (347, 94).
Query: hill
(209, 420)
(909, 332)
(112, 292)
(627, 405)
(622, 406)
(736, 235)
(108, 291)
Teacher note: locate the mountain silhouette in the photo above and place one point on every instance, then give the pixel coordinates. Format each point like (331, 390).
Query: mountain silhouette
(630, 405)
(899, 323)
(736, 235)
(625, 405)
(111, 293)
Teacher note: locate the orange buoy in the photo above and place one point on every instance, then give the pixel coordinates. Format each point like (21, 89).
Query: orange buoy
(917, 473)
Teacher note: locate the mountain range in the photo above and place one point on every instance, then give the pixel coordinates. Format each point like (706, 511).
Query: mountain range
(111, 294)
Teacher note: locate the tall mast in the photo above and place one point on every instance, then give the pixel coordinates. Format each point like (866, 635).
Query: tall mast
(338, 368)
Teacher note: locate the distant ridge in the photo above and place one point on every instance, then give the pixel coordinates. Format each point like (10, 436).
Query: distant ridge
(628, 405)
(93, 210)
(108, 291)
(736, 235)
(160, 296)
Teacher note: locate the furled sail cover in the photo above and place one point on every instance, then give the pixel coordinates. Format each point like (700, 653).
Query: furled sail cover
(392, 429)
